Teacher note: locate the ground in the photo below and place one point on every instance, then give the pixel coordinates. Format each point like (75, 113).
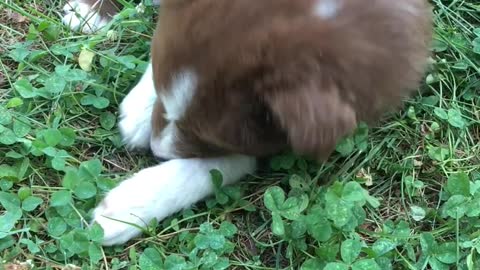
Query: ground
(400, 195)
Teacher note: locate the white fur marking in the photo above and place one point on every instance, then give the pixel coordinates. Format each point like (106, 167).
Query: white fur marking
(326, 9)
(136, 112)
(176, 100)
(164, 145)
(157, 192)
(80, 16)
(179, 95)
(408, 7)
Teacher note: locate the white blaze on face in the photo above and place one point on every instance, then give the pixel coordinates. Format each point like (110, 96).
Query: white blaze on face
(137, 107)
(179, 95)
(327, 9)
(175, 100)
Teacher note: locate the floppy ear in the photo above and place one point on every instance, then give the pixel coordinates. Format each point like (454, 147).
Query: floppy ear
(314, 117)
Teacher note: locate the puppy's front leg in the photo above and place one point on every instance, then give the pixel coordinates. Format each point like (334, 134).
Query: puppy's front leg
(136, 110)
(160, 191)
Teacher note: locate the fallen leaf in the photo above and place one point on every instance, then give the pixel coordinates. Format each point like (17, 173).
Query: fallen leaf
(85, 59)
(12, 266)
(366, 176)
(16, 17)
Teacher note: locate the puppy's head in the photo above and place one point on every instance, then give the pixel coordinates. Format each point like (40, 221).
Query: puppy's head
(348, 69)
(313, 68)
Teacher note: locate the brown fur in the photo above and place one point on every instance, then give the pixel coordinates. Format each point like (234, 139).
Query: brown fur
(273, 75)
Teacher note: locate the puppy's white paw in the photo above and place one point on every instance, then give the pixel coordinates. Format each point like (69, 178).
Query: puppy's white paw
(81, 16)
(157, 192)
(136, 112)
(125, 207)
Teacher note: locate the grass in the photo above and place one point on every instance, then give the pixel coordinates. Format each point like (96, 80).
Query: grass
(402, 195)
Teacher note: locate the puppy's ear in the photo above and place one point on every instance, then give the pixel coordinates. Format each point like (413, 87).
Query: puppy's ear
(314, 116)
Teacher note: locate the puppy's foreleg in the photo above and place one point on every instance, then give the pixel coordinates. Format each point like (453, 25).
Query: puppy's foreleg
(157, 192)
(136, 110)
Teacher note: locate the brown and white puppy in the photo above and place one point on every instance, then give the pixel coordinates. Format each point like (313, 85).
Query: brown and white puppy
(233, 80)
(89, 16)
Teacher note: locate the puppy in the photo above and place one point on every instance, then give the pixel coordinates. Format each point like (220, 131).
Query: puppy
(88, 16)
(233, 80)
